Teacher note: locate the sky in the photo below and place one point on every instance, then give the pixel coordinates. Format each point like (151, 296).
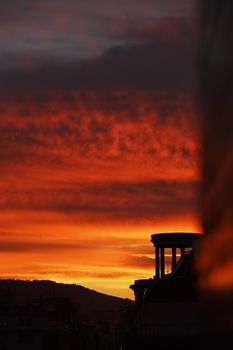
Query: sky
(99, 137)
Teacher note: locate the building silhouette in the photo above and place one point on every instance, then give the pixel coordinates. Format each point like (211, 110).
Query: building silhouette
(167, 305)
(46, 323)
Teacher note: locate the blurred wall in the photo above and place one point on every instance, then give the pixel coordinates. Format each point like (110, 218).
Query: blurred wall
(215, 90)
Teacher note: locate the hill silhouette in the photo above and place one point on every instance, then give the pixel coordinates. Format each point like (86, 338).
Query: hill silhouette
(90, 304)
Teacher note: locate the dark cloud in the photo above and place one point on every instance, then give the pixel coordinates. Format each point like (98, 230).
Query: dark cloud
(151, 64)
(160, 60)
(96, 18)
(107, 125)
(36, 32)
(104, 202)
(26, 8)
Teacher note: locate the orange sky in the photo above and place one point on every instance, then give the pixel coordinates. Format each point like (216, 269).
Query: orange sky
(82, 190)
(99, 138)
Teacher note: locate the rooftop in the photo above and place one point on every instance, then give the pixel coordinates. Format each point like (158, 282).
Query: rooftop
(175, 239)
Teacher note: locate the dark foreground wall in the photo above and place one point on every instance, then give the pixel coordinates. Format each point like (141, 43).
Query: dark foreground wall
(215, 263)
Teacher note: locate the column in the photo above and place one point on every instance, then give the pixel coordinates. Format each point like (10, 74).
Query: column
(173, 258)
(162, 261)
(157, 262)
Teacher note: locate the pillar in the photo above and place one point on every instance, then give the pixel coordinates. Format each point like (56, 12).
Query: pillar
(157, 262)
(162, 262)
(173, 258)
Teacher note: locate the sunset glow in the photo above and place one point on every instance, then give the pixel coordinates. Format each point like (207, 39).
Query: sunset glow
(99, 147)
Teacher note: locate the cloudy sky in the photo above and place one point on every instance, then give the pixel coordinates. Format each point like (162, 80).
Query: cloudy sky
(99, 137)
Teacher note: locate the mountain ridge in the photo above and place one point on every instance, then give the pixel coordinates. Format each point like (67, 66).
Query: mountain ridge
(90, 304)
